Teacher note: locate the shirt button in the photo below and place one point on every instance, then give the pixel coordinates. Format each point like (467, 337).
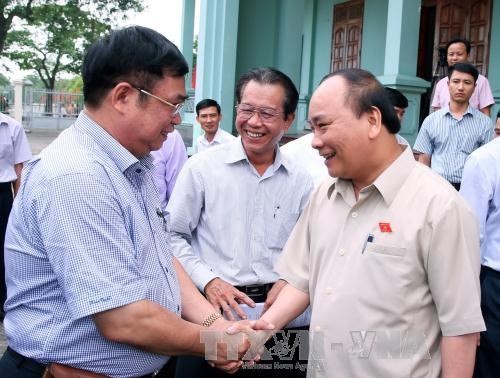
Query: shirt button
(342, 252)
(317, 328)
(138, 170)
(328, 290)
(354, 215)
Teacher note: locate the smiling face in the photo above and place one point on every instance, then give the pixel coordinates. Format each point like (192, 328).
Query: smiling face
(461, 86)
(153, 120)
(339, 135)
(209, 119)
(260, 137)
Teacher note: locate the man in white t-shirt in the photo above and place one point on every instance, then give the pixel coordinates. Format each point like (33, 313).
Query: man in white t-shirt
(209, 116)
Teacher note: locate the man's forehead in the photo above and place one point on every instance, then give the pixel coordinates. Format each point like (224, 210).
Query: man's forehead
(461, 75)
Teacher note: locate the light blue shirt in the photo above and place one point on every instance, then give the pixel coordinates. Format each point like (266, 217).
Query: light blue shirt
(84, 237)
(481, 189)
(230, 222)
(450, 141)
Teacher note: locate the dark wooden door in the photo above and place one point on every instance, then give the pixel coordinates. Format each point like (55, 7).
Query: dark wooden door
(468, 19)
(346, 35)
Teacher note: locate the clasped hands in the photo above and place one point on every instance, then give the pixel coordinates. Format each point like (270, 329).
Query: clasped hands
(236, 341)
(229, 344)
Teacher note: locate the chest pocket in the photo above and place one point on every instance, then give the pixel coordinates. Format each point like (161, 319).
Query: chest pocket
(382, 249)
(7, 152)
(468, 144)
(280, 229)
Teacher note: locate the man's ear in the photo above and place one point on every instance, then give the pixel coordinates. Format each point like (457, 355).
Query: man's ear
(374, 118)
(122, 96)
(289, 120)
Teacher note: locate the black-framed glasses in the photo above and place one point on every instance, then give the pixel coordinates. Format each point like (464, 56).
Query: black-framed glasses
(246, 112)
(177, 108)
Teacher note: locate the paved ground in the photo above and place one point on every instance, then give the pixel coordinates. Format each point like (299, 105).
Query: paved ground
(38, 140)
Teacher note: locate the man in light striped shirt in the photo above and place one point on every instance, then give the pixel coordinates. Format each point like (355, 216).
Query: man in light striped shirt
(448, 136)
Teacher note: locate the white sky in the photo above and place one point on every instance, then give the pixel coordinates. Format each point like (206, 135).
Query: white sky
(164, 16)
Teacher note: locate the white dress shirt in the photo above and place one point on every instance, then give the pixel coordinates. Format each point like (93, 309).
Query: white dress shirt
(227, 221)
(221, 137)
(481, 189)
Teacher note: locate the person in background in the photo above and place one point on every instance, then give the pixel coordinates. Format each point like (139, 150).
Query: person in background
(14, 152)
(449, 135)
(481, 189)
(235, 204)
(457, 51)
(209, 116)
(92, 281)
(168, 162)
(384, 224)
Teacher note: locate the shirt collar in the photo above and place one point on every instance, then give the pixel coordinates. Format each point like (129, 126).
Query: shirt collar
(122, 157)
(388, 183)
(236, 153)
(468, 111)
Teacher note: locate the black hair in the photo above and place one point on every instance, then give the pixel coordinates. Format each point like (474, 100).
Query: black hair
(268, 75)
(465, 68)
(206, 103)
(396, 98)
(136, 54)
(365, 92)
(459, 40)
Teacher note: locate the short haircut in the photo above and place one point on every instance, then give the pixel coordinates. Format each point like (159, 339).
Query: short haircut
(135, 54)
(364, 92)
(465, 68)
(396, 98)
(459, 40)
(271, 76)
(206, 103)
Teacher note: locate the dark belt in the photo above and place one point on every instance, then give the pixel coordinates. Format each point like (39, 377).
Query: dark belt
(38, 367)
(256, 291)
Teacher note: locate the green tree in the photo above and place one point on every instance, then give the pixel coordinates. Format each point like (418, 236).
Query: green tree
(106, 11)
(53, 39)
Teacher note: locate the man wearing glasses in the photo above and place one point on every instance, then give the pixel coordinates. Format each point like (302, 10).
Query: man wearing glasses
(91, 279)
(234, 205)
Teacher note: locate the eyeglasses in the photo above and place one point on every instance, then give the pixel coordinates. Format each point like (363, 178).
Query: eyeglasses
(177, 108)
(247, 112)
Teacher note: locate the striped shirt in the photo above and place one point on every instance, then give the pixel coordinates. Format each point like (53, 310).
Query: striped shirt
(84, 237)
(230, 222)
(450, 141)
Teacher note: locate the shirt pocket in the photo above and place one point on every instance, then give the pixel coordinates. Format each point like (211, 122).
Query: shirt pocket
(280, 228)
(468, 145)
(7, 153)
(383, 249)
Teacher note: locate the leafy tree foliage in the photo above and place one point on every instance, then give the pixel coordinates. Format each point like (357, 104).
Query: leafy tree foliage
(52, 35)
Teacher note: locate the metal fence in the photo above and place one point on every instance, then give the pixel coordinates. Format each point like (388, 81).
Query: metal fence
(50, 109)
